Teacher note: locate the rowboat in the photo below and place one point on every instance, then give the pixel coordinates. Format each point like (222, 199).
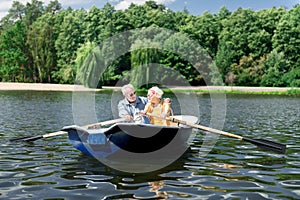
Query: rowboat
(137, 141)
(140, 148)
(153, 147)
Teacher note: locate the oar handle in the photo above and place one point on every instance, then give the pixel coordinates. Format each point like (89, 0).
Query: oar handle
(173, 119)
(109, 122)
(30, 139)
(54, 134)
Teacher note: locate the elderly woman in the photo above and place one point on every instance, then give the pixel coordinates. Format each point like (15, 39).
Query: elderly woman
(156, 107)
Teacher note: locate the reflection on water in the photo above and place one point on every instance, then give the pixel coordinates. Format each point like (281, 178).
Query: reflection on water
(52, 169)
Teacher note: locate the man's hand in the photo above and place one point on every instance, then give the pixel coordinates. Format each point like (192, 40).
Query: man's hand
(127, 117)
(143, 113)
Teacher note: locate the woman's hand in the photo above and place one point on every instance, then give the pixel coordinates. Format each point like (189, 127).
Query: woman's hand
(167, 100)
(163, 115)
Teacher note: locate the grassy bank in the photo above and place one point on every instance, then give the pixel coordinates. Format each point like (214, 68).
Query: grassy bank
(168, 89)
(235, 90)
(291, 92)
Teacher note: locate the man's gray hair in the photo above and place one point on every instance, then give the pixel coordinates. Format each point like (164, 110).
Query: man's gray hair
(126, 87)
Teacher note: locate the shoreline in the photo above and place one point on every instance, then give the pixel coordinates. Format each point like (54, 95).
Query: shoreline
(11, 86)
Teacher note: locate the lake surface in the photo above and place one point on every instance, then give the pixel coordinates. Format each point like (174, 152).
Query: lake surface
(52, 169)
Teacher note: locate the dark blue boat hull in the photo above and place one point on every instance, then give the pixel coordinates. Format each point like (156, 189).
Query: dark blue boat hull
(127, 137)
(134, 148)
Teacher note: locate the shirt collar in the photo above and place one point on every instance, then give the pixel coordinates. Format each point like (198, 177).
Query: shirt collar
(137, 101)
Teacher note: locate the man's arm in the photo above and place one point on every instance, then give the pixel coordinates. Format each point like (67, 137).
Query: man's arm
(123, 112)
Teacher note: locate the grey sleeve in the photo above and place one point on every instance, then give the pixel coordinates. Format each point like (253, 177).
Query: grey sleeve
(122, 109)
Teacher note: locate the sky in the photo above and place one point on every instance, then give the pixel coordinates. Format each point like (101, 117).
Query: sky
(195, 7)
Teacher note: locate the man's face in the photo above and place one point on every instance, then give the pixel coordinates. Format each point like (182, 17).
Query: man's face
(130, 95)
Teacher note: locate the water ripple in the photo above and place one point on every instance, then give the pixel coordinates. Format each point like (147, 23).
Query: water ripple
(233, 169)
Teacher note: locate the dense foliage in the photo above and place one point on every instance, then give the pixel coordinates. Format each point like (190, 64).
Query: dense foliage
(45, 43)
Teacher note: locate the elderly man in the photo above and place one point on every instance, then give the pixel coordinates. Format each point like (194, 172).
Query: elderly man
(132, 105)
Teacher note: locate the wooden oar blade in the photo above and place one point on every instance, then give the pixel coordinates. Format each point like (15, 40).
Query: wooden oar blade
(266, 144)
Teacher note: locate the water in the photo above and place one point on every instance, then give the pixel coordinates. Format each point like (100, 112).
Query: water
(52, 169)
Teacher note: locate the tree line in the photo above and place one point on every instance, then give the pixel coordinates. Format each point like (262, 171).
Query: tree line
(47, 44)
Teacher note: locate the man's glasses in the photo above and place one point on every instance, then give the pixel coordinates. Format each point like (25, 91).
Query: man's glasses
(132, 94)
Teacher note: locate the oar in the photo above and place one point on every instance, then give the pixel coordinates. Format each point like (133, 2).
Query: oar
(262, 143)
(30, 139)
(105, 123)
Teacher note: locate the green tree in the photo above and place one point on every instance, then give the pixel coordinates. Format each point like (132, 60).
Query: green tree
(180, 20)
(269, 18)
(92, 20)
(85, 63)
(142, 58)
(33, 11)
(287, 36)
(158, 15)
(260, 41)
(92, 67)
(188, 58)
(106, 23)
(41, 40)
(53, 7)
(248, 72)
(223, 13)
(275, 66)
(17, 11)
(205, 30)
(292, 78)
(136, 16)
(234, 38)
(13, 65)
(68, 41)
(44, 43)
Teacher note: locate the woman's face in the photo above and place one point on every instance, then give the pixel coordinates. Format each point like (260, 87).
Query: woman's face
(150, 94)
(154, 99)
